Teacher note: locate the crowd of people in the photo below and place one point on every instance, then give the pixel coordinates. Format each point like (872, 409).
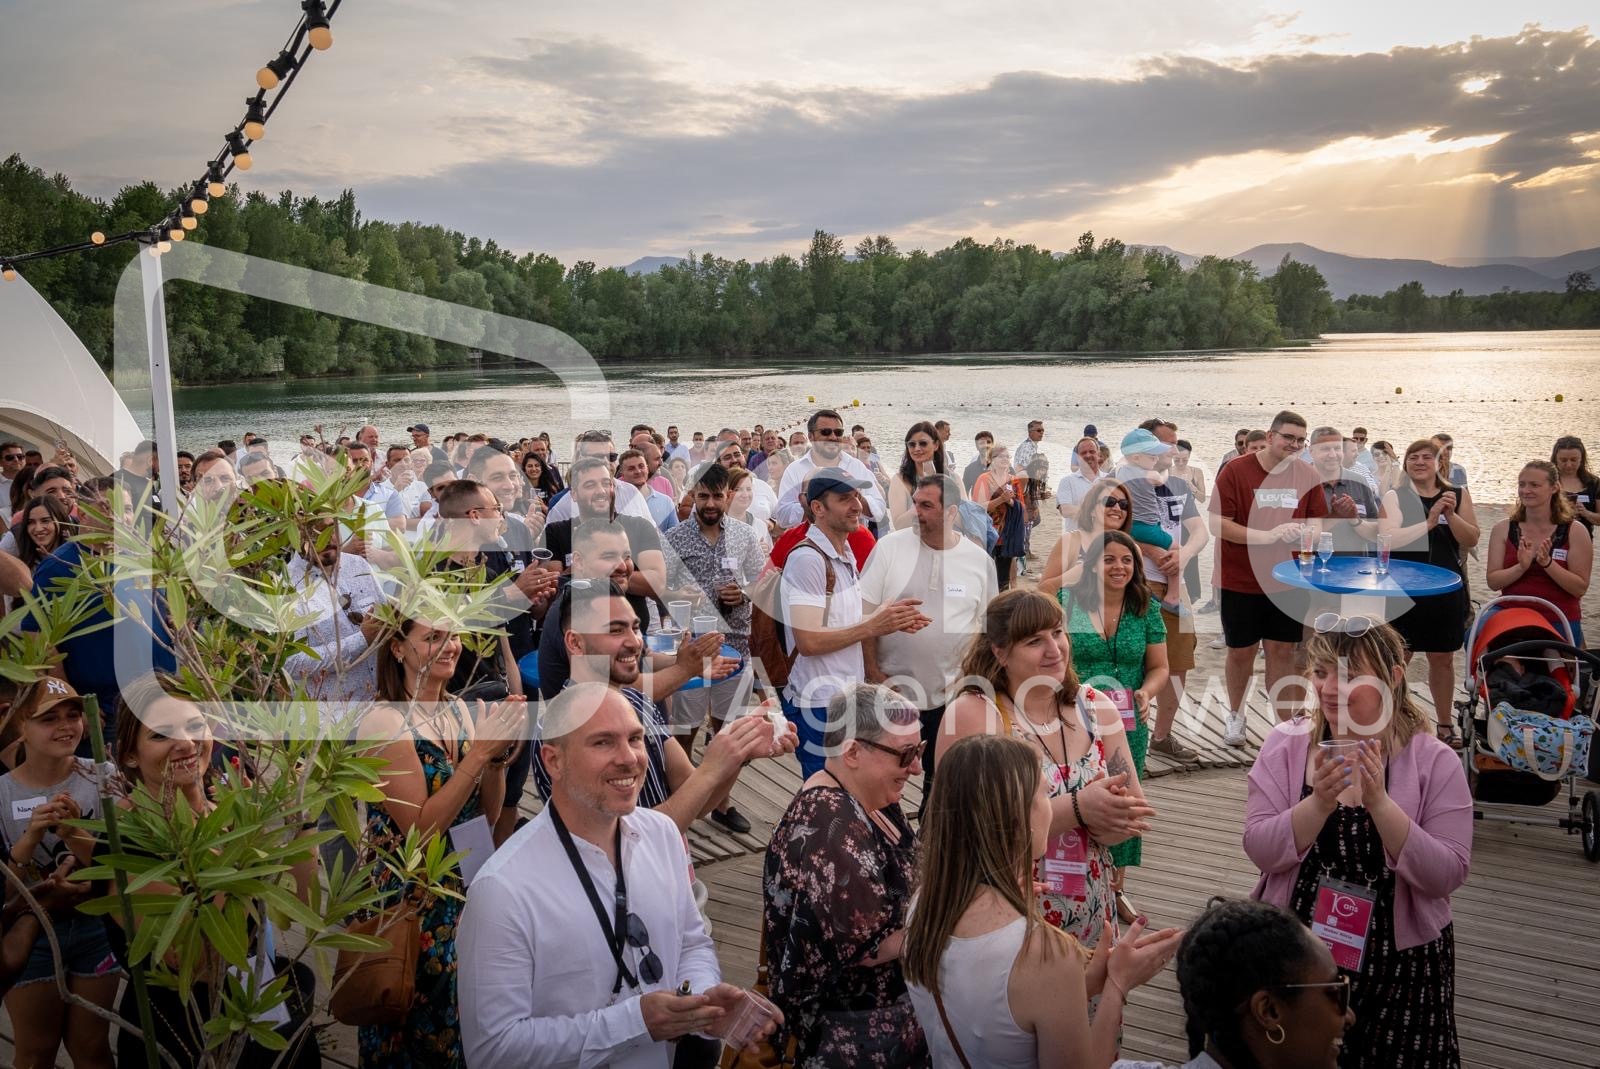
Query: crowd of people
(641, 586)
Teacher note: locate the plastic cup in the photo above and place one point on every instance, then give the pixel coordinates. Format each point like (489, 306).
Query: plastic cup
(1385, 551)
(662, 640)
(682, 613)
(747, 1019)
(541, 554)
(704, 625)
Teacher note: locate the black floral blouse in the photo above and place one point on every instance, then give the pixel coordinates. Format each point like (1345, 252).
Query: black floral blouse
(835, 888)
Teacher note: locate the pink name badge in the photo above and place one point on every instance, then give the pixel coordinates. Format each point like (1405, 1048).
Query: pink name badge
(1342, 918)
(1122, 698)
(1065, 865)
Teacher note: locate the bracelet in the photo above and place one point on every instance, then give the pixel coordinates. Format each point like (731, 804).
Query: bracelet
(1077, 813)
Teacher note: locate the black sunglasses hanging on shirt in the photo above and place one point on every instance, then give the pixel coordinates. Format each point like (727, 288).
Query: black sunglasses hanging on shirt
(627, 929)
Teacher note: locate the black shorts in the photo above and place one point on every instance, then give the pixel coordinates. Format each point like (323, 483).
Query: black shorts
(1250, 618)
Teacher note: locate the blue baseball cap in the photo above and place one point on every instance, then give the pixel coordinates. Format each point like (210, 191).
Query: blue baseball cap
(832, 480)
(1140, 440)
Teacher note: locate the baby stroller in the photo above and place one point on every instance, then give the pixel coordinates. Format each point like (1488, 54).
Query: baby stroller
(1529, 717)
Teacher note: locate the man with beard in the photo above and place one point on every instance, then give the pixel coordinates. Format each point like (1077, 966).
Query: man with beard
(712, 560)
(545, 977)
(597, 445)
(826, 431)
(593, 499)
(336, 593)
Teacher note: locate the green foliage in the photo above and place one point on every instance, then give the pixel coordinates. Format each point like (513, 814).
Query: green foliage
(1301, 295)
(1409, 308)
(970, 296)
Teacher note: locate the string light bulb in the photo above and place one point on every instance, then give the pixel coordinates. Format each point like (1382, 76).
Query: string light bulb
(198, 202)
(240, 151)
(255, 119)
(178, 233)
(97, 238)
(186, 219)
(9, 273)
(318, 32)
(214, 184)
(164, 245)
(276, 70)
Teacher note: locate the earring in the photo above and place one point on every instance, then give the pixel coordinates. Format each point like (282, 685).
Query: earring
(1281, 1036)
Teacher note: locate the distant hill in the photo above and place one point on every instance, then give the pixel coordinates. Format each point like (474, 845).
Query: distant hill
(1556, 267)
(1358, 274)
(649, 265)
(1185, 260)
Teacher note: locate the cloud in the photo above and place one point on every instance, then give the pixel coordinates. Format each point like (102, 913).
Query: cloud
(661, 155)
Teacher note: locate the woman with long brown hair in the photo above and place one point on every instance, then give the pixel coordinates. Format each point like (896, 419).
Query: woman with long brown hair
(1432, 522)
(1541, 549)
(924, 455)
(446, 768)
(1021, 684)
(993, 984)
(1105, 507)
(1358, 800)
(1580, 485)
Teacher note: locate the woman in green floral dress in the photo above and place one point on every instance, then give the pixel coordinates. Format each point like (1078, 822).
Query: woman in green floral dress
(1119, 648)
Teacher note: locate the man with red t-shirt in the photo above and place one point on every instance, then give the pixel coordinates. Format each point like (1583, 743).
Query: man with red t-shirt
(1257, 508)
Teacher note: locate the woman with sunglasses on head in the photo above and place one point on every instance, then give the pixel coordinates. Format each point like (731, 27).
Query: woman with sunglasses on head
(1361, 822)
(1022, 684)
(1259, 992)
(839, 872)
(923, 456)
(1105, 507)
(446, 768)
(1385, 468)
(1119, 647)
(1541, 549)
(1429, 521)
(993, 985)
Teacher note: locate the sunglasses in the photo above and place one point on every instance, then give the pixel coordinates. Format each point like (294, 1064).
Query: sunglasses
(638, 936)
(920, 443)
(830, 432)
(14, 456)
(1329, 623)
(1111, 501)
(1339, 987)
(907, 757)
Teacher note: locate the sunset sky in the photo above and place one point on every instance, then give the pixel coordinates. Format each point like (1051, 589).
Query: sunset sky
(608, 131)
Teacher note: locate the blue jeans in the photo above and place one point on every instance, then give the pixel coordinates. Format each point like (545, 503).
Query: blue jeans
(808, 721)
(1577, 633)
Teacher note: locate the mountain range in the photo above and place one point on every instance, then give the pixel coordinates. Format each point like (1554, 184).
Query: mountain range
(1371, 275)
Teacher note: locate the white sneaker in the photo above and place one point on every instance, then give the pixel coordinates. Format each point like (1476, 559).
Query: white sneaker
(1219, 643)
(1233, 732)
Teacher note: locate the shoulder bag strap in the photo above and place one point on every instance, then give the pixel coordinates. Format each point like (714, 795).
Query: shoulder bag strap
(827, 564)
(944, 1019)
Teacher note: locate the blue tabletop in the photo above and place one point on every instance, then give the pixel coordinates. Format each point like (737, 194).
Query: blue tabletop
(1358, 575)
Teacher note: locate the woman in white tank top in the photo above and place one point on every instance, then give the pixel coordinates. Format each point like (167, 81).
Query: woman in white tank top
(992, 984)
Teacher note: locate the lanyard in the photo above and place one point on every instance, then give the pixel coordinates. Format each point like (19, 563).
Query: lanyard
(615, 933)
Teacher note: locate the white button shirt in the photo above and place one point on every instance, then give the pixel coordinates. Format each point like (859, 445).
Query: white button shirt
(790, 512)
(534, 973)
(628, 502)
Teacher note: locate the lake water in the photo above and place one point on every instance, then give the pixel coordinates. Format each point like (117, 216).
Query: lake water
(1494, 392)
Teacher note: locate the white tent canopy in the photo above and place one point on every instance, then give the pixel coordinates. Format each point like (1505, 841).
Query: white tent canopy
(52, 390)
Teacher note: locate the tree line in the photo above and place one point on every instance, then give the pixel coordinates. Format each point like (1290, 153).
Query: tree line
(1410, 308)
(995, 297)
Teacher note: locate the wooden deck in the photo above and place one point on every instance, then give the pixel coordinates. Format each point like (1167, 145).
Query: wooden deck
(1527, 937)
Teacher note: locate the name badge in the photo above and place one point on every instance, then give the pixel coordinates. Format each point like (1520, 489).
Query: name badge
(1276, 499)
(1064, 869)
(22, 808)
(1342, 918)
(517, 566)
(730, 563)
(1361, 510)
(1122, 698)
(955, 590)
(475, 842)
(1558, 554)
(567, 560)
(1582, 499)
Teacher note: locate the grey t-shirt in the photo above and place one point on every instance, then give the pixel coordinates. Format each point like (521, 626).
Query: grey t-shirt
(18, 801)
(1142, 493)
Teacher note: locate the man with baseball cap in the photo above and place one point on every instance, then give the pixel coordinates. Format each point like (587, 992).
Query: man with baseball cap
(821, 593)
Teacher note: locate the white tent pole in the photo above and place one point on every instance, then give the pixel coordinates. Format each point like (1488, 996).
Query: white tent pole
(166, 431)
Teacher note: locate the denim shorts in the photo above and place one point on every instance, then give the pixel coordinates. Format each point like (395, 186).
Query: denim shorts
(85, 951)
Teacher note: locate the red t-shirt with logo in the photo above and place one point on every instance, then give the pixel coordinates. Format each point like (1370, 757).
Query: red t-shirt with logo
(1248, 494)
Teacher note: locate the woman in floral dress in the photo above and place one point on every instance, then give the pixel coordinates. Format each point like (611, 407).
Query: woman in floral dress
(1025, 658)
(445, 769)
(838, 879)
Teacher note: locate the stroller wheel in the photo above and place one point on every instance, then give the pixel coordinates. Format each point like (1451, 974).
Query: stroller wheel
(1591, 826)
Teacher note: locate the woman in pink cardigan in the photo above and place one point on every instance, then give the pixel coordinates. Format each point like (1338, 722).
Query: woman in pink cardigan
(1360, 821)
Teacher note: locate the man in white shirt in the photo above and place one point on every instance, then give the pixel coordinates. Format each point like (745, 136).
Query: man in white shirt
(1030, 446)
(821, 592)
(675, 448)
(826, 431)
(955, 580)
(628, 501)
(336, 592)
(634, 469)
(545, 978)
(1072, 489)
(12, 460)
